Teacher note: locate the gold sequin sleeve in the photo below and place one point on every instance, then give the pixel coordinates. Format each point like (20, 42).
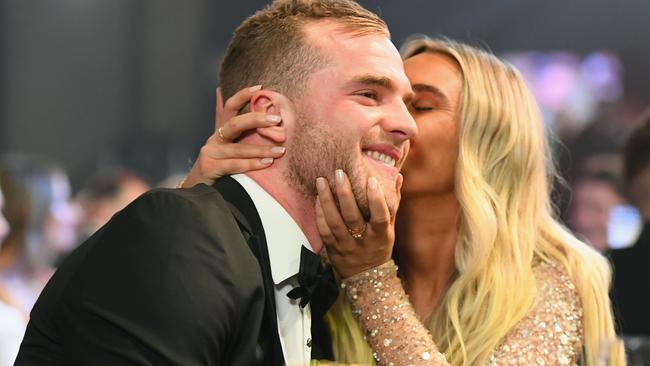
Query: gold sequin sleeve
(388, 319)
(551, 334)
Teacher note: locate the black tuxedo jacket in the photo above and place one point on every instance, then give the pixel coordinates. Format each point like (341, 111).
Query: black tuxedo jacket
(180, 277)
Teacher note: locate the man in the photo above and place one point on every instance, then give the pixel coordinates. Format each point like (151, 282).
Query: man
(201, 276)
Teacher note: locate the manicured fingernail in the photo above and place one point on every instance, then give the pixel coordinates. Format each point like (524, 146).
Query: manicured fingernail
(273, 118)
(255, 88)
(372, 183)
(320, 184)
(278, 149)
(266, 161)
(338, 174)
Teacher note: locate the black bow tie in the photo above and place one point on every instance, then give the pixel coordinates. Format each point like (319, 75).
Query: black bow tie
(317, 283)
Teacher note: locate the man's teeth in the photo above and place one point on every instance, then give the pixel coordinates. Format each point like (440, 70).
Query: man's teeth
(381, 157)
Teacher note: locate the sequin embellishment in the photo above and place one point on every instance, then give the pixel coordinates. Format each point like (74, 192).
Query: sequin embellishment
(551, 334)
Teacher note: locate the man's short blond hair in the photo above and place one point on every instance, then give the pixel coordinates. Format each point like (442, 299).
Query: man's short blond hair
(270, 47)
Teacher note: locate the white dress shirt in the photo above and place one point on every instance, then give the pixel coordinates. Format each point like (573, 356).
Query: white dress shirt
(284, 240)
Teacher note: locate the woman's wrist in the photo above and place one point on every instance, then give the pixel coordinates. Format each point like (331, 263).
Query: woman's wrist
(380, 271)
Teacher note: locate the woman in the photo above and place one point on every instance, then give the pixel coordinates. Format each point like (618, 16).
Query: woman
(491, 276)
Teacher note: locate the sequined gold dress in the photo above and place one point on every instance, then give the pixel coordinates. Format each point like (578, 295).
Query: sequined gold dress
(551, 334)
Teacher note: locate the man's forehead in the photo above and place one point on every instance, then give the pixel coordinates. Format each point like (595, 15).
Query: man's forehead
(367, 54)
(332, 30)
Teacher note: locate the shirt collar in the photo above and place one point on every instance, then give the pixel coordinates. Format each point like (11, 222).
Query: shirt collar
(284, 238)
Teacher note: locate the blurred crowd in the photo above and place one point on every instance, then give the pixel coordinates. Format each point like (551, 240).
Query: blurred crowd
(605, 199)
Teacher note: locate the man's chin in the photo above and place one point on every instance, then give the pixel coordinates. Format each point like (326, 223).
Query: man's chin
(392, 203)
(386, 177)
(380, 169)
(388, 186)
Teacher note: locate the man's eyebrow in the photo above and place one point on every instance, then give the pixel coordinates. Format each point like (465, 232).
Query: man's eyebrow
(376, 80)
(426, 88)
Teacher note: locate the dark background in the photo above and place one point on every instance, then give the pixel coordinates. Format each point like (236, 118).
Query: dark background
(93, 83)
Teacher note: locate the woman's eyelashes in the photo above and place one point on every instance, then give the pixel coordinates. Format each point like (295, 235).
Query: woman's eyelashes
(424, 103)
(420, 106)
(417, 108)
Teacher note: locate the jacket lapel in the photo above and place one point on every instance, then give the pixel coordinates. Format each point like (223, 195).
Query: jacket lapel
(250, 224)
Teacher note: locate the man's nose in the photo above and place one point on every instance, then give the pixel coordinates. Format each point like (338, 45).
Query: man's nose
(399, 122)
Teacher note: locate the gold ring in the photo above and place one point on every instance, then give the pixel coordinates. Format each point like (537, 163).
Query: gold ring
(358, 233)
(221, 136)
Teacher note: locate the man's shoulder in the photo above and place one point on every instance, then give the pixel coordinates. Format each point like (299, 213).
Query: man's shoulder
(164, 224)
(193, 193)
(164, 267)
(199, 197)
(172, 233)
(179, 210)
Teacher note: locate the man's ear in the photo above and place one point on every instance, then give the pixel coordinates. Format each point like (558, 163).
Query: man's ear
(270, 102)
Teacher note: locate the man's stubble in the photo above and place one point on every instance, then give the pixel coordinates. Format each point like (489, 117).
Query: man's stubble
(315, 151)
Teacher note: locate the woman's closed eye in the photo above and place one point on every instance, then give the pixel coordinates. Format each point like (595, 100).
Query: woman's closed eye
(422, 106)
(426, 103)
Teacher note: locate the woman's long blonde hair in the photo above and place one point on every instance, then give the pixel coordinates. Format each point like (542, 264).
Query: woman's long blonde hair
(503, 183)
